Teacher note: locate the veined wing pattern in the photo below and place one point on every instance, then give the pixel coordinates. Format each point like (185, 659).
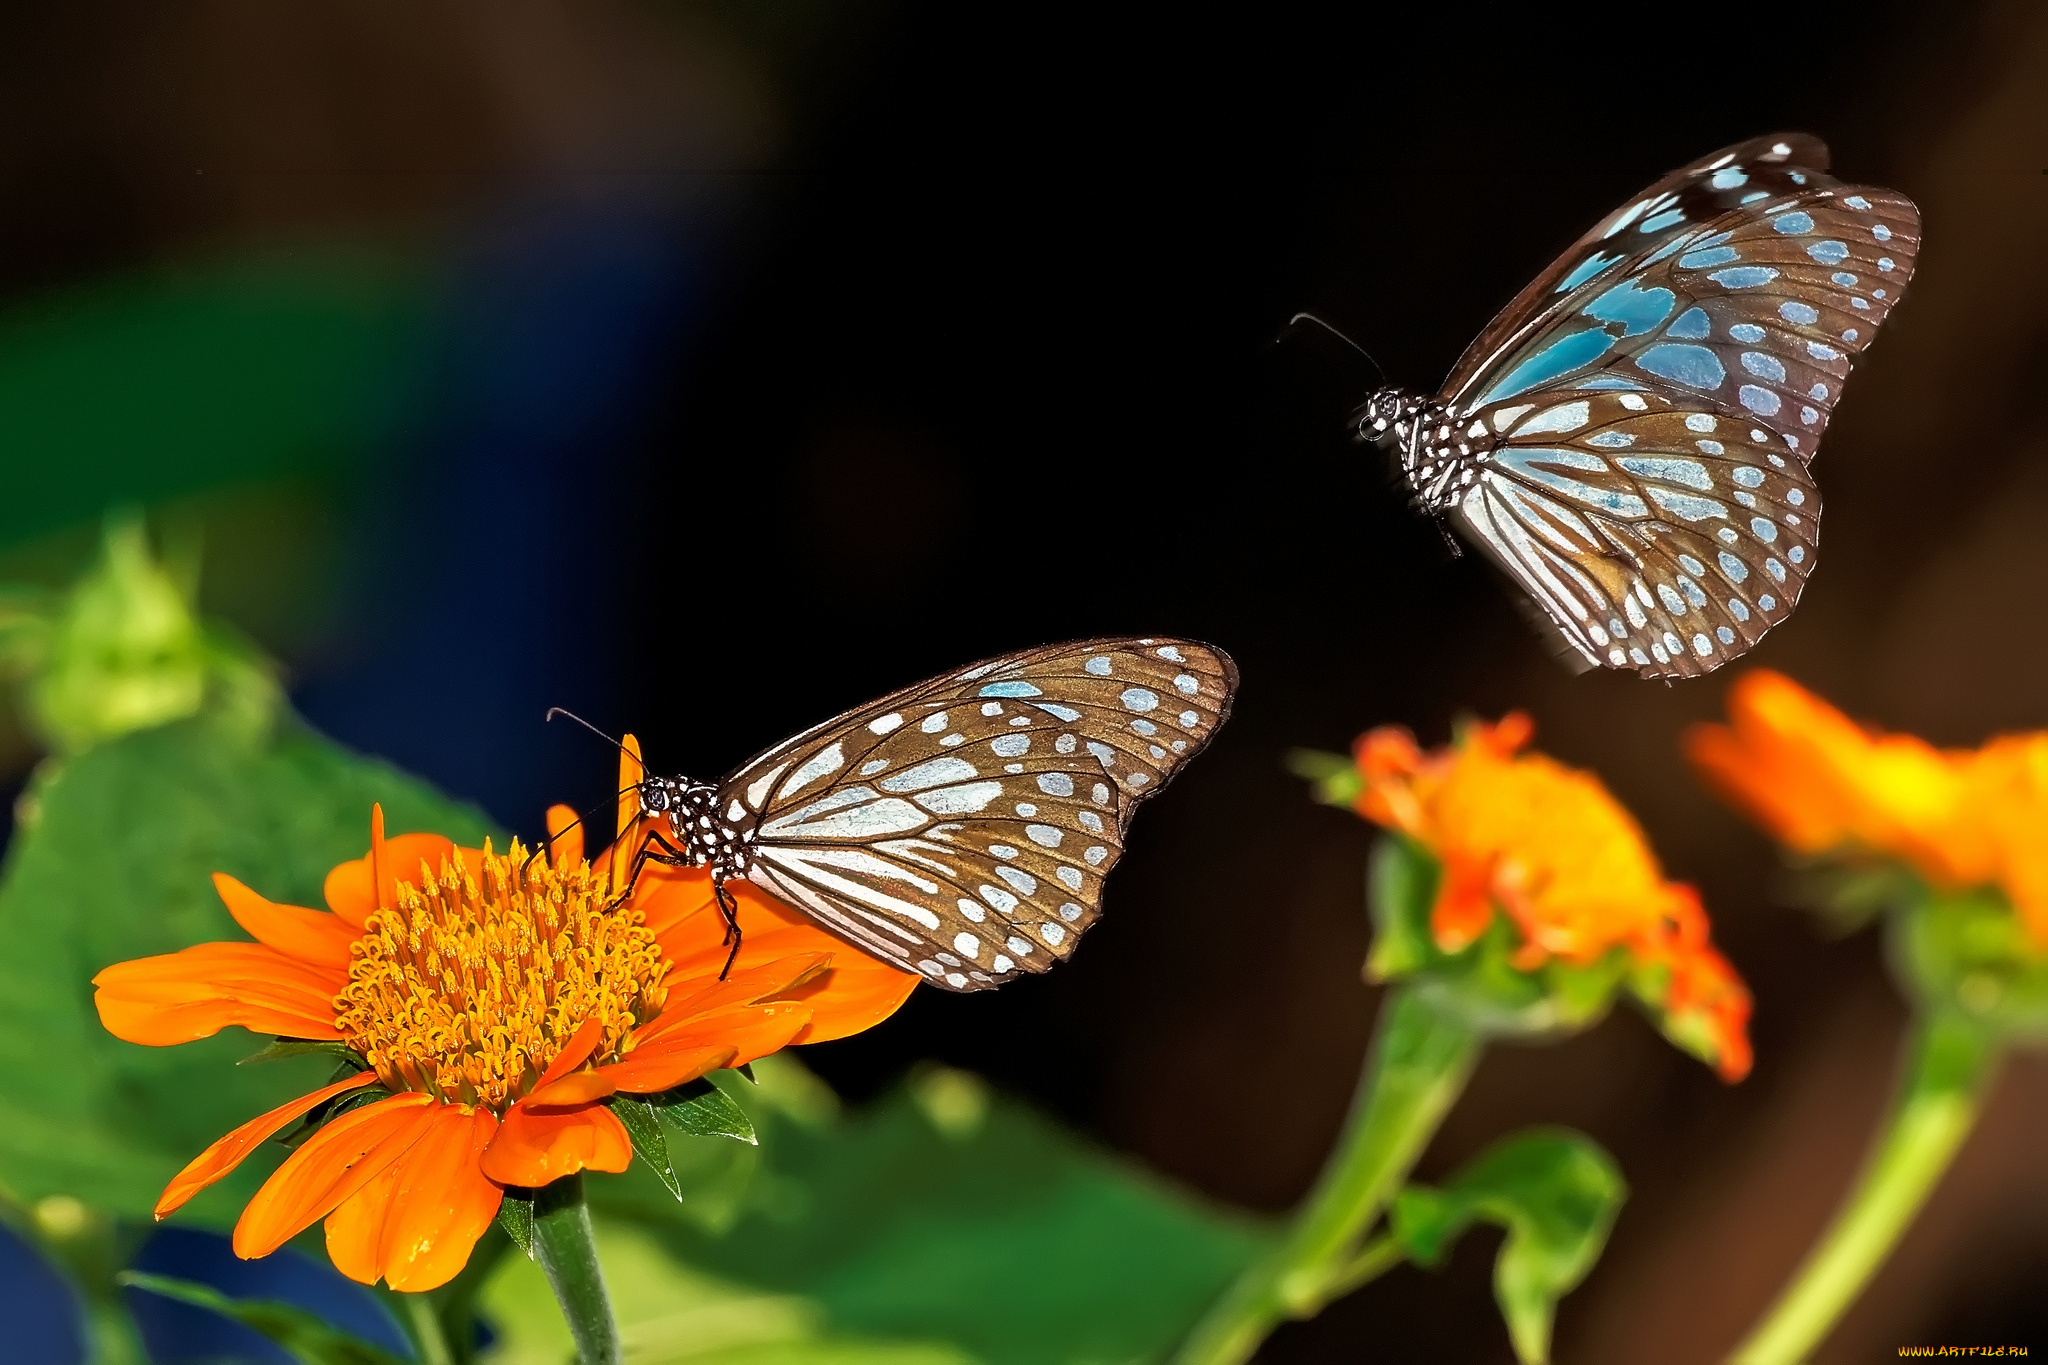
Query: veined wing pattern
(1630, 438)
(962, 827)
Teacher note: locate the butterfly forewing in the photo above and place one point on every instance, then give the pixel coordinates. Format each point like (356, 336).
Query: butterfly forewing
(962, 827)
(1667, 212)
(1655, 536)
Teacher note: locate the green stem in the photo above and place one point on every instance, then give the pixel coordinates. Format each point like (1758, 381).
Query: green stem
(426, 1330)
(111, 1332)
(1418, 1065)
(1949, 1068)
(567, 1251)
(455, 1303)
(1375, 1259)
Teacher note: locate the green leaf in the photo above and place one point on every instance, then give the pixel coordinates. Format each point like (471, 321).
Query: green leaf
(698, 1109)
(649, 1145)
(1555, 1191)
(1400, 888)
(300, 1047)
(949, 1214)
(113, 861)
(1966, 953)
(515, 1215)
(701, 1109)
(1336, 777)
(305, 1337)
(670, 1312)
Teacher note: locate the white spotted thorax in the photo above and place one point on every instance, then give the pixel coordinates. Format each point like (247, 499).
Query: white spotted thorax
(1630, 440)
(1438, 459)
(961, 828)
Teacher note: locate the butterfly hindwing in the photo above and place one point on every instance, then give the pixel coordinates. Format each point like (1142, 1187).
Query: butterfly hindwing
(1656, 537)
(962, 827)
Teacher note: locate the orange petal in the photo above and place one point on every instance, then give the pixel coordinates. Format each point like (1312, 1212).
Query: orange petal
(355, 1230)
(197, 992)
(616, 861)
(416, 1224)
(1464, 903)
(570, 1091)
(854, 994)
(534, 1149)
(682, 912)
(632, 772)
(565, 830)
(858, 992)
(332, 1165)
(356, 889)
(310, 935)
(574, 1053)
(662, 1065)
(221, 1158)
(702, 994)
(749, 1030)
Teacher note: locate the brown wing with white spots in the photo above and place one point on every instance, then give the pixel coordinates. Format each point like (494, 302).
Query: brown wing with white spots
(1630, 441)
(1671, 210)
(1655, 537)
(962, 827)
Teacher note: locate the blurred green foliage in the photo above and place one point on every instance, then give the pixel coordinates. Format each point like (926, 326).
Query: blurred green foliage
(1555, 1191)
(124, 649)
(113, 861)
(947, 1213)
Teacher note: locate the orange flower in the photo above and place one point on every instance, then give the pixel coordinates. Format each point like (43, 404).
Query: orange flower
(1820, 783)
(498, 1004)
(1522, 835)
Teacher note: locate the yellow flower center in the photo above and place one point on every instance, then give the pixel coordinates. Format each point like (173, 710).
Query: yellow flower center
(469, 990)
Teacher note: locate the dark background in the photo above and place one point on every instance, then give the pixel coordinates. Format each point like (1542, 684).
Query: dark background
(781, 355)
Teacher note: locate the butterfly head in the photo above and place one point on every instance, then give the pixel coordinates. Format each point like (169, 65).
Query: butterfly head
(1436, 459)
(691, 809)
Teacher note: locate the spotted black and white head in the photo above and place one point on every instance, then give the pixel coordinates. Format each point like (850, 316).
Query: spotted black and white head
(1438, 460)
(696, 826)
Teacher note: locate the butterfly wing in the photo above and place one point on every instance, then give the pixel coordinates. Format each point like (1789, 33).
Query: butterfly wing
(1667, 212)
(962, 827)
(1653, 535)
(1735, 294)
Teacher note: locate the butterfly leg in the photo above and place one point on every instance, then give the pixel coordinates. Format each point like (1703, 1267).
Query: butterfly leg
(729, 909)
(674, 857)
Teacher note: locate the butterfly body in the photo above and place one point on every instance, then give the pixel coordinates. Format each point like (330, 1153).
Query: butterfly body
(959, 828)
(1630, 440)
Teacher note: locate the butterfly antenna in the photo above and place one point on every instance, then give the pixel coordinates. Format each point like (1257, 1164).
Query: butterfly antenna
(547, 844)
(554, 711)
(1300, 318)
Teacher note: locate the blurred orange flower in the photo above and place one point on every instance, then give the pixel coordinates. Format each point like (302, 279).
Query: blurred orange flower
(1547, 845)
(498, 1003)
(1820, 783)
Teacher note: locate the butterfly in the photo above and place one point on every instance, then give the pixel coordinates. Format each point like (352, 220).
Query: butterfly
(1631, 439)
(959, 828)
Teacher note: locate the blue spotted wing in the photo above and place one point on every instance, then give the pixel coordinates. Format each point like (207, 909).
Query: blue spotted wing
(1657, 395)
(962, 828)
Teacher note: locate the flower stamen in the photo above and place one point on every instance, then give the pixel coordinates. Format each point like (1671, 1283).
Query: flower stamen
(468, 987)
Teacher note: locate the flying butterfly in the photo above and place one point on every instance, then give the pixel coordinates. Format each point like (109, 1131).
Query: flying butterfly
(1631, 438)
(959, 828)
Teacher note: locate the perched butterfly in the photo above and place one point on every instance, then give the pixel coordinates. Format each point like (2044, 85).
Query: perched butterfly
(1630, 439)
(962, 827)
